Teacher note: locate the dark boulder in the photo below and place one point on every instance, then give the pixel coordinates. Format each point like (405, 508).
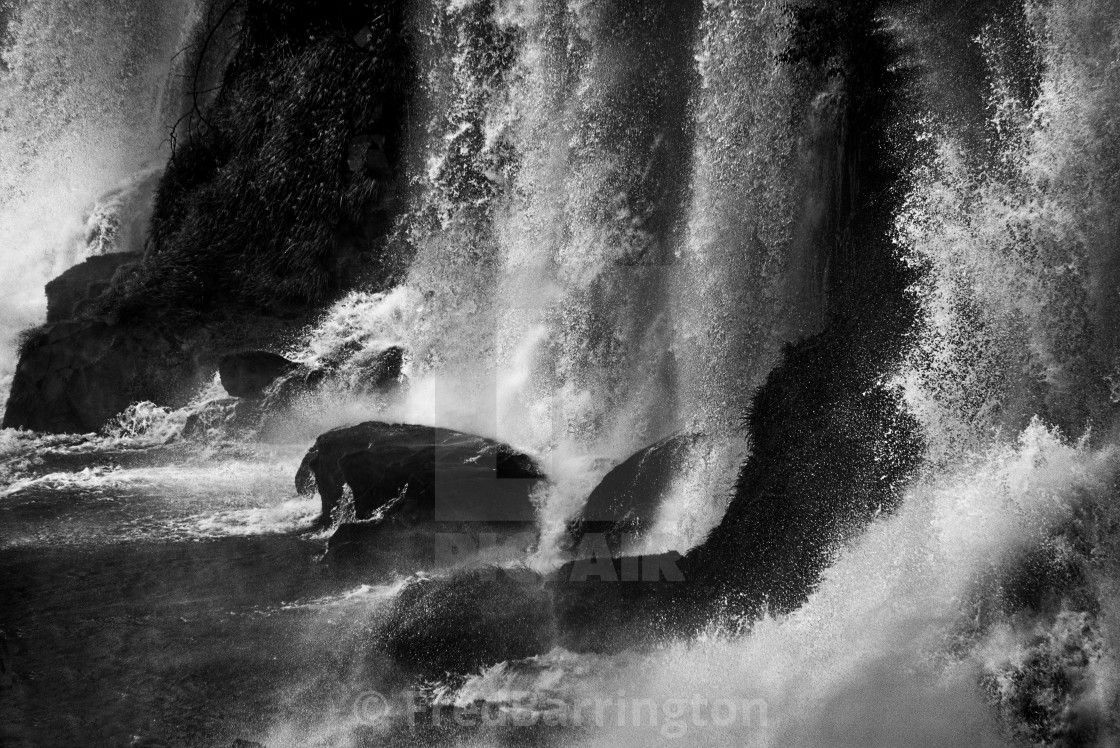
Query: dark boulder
(75, 288)
(613, 602)
(75, 376)
(429, 474)
(297, 383)
(832, 448)
(249, 373)
(626, 501)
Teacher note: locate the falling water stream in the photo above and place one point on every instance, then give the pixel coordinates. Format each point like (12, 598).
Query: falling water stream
(619, 213)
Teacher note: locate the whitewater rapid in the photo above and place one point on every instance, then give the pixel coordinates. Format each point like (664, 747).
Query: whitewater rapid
(592, 272)
(1014, 229)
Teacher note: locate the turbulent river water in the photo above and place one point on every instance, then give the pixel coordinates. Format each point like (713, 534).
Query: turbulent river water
(615, 218)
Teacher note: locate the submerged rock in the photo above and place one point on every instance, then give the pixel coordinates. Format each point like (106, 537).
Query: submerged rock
(248, 373)
(383, 369)
(426, 474)
(436, 627)
(379, 374)
(227, 417)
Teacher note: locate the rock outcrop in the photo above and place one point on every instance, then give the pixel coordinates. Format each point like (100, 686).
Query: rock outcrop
(74, 376)
(232, 223)
(77, 288)
(228, 234)
(380, 371)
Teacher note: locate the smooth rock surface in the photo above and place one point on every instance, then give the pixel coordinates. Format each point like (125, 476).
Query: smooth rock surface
(430, 474)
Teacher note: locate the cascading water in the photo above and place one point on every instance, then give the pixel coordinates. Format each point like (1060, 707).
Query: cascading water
(617, 215)
(612, 240)
(925, 631)
(90, 94)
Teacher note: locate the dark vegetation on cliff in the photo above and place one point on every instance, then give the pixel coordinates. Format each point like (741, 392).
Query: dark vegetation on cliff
(282, 184)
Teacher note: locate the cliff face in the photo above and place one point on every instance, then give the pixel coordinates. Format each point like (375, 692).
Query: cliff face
(279, 196)
(75, 290)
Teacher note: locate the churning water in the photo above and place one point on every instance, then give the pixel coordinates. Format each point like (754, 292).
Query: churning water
(618, 215)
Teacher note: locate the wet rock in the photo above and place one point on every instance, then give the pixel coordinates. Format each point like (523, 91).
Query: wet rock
(428, 474)
(381, 372)
(74, 376)
(614, 602)
(249, 373)
(367, 152)
(290, 388)
(79, 286)
(626, 501)
(470, 621)
(383, 369)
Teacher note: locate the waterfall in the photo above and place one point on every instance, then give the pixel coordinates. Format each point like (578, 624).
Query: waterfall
(925, 631)
(618, 218)
(599, 263)
(90, 92)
